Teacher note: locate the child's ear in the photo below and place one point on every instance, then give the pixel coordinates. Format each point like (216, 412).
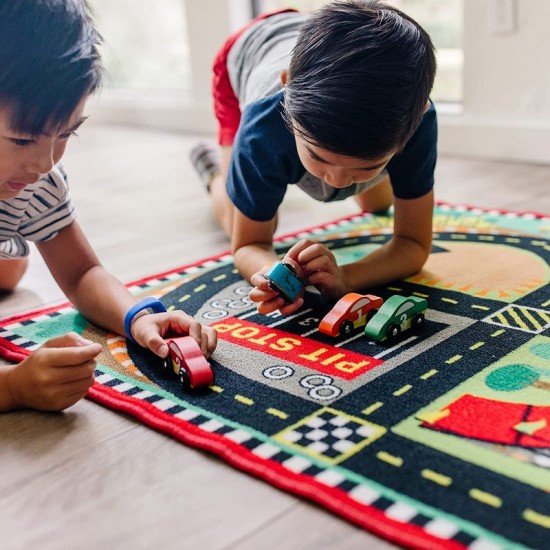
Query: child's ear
(284, 77)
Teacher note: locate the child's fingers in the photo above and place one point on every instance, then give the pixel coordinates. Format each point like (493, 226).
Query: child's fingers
(182, 323)
(65, 402)
(149, 337)
(195, 330)
(70, 339)
(297, 267)
(210, 336)
(270, 305)
(321, 263)
(291, 308)
(178, 321)
(257, 295)
(260, 281)
(62, 357)
(279, 304)
(322, 279)
(151, 330)
(62, 401)
(295, 251)
(79, 387)
(74, 374)
(203, 343)
(316, 250)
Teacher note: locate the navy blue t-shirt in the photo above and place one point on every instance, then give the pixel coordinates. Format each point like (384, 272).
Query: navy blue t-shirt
(265, 160)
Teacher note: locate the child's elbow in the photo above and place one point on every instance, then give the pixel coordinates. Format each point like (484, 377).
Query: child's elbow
(417, 258)
(11, 272)
(420, 259)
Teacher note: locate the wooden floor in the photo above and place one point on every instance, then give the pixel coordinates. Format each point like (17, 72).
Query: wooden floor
(92, 478)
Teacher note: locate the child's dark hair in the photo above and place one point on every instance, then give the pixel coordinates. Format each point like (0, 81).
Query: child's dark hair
(49, 61)
(359, 78)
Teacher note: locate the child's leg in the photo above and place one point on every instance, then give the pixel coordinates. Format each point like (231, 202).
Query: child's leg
(11, 272)
(221, 203)
(376, 199)
(228, 114)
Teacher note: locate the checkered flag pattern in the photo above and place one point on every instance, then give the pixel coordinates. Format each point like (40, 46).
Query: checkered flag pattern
(331, 434)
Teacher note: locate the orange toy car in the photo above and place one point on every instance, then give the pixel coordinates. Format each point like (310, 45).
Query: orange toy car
(350, 312)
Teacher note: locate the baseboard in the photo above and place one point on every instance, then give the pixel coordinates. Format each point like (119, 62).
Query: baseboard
(494, 139)
(163, 111)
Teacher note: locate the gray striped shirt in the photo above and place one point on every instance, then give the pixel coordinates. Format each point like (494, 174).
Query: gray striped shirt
(37, 214)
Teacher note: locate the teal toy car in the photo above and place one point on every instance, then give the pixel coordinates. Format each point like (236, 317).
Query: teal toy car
(284, 280)
(397, 314)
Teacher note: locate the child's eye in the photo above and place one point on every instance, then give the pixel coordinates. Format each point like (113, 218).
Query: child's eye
(68, 135)
(315, 157)
(22, 142)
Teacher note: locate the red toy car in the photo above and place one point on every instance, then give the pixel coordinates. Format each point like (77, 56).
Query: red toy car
(350, 312)
(186, 359)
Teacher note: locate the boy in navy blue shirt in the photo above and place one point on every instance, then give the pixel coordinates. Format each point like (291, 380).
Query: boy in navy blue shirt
(336, 102)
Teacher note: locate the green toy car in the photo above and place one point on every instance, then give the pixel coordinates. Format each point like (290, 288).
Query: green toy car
(397, 314)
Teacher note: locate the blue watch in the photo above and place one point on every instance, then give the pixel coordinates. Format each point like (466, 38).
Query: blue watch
(156, 306)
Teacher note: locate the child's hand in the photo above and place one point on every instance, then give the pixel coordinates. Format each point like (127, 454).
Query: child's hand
(319, 268)
(267, 299)
(55, 376)
(148, 331)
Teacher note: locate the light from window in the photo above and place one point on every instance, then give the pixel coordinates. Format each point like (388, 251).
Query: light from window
(442, 19)
(145, 44)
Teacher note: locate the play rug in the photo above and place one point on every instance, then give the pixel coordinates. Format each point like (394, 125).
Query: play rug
(441, 440)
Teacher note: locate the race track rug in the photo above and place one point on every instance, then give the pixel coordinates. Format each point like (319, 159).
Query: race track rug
(438, 440)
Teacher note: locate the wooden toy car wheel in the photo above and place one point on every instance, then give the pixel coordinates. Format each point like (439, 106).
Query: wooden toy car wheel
(418, 320)
(194, 370)
(347, 327)
(184, 378)
(393, 331)
(167, 363)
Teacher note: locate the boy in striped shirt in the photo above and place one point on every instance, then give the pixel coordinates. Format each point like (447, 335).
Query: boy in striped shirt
(50, 66)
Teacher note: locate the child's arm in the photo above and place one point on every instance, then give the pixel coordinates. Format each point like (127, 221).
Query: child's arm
(253, 252)
(101, 298)
(54, 377)
(402, 256)
(252, 243)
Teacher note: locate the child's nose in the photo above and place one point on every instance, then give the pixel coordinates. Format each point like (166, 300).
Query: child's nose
(335, 179)
(40, 163)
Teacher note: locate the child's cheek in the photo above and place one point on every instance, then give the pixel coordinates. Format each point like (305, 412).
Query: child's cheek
(59, 151)
(313, 168)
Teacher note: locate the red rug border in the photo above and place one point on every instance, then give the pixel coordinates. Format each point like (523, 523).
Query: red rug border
(502, 211)
(367, 517)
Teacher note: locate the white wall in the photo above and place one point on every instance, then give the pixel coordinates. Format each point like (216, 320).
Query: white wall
(506, 109)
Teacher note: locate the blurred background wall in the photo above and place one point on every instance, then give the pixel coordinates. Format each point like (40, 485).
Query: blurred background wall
(492, 90)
